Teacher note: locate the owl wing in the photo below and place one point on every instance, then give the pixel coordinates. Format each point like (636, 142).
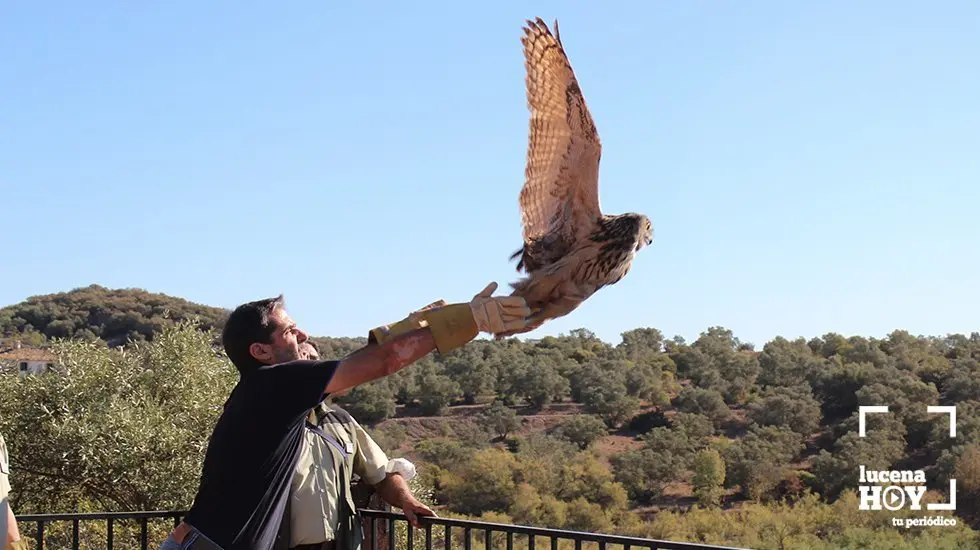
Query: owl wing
(559, 201)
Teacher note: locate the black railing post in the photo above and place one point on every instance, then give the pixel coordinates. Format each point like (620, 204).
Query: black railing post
(40, 535)
(373, 522)
(392, 531)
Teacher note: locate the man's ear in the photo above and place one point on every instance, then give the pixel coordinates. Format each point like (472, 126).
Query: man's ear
(261, 352)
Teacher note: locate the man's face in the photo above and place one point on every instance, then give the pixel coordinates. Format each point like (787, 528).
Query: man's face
(286, 341)
(309, 352)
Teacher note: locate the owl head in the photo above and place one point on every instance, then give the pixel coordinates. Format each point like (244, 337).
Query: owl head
(644, 235)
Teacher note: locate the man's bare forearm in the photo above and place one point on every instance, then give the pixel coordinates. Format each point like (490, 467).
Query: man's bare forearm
(394, 490)
(379, 360)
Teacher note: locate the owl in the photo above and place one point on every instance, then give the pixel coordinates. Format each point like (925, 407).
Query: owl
(571, 249)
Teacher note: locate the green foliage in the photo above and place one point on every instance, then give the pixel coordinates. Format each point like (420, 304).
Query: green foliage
(645, 472)
(792, 407)
(709, 475)
(485, 481)
(442, 452)
(754, 449)
(693, 425)
(541, 383)
(582, 430)
(884, 446)
(718, 361)
(438, 392)
(95, 312)
(709, 403)
(389, 437)
(761, 459)
(80, 434)
(370, 403)
(500, 419)
(806, 524)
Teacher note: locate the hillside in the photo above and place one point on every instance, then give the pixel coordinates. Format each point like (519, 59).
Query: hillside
(787, 413)
(569, 432)
(96, 312)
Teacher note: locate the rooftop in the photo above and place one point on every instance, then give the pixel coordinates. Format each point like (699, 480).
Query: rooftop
(26, 354)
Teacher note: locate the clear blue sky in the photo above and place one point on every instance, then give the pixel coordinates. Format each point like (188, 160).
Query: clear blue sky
(809, 167)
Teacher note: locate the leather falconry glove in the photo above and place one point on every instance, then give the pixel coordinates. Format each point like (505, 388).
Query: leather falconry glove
(454, 325)
(500, 314)
(414, 321)
(19, 544)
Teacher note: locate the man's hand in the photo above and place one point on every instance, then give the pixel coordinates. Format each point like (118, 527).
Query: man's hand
(500, 314)
(454, 325)
(394, 490)
(412, 509)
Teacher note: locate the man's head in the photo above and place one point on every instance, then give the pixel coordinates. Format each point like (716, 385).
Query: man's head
(261, 333)
(309, 350)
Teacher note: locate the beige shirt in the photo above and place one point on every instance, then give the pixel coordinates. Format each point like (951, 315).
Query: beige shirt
(4, 470)
(314, 493)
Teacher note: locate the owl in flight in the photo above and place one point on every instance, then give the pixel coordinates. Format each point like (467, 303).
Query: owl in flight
(571, 249)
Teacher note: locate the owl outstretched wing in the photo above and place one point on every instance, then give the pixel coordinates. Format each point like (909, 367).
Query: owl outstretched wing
(559, 201)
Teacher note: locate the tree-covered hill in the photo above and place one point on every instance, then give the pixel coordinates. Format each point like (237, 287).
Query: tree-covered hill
(713, 440)
(95, 312)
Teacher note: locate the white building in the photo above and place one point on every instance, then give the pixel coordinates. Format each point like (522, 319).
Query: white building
(25, 360)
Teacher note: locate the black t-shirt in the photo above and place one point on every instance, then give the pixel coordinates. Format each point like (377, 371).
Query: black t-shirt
(249, 463)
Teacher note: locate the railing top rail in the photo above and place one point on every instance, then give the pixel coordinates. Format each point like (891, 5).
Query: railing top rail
(89, 516)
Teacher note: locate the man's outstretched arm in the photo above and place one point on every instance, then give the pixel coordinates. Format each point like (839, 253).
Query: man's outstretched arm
(436, 327)
(379, 360)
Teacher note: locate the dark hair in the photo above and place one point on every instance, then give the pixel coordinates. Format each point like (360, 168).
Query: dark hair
(248, 324)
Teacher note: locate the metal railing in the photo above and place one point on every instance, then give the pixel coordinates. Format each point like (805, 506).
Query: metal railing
(64, 539)
(384, 530)
(477, 535)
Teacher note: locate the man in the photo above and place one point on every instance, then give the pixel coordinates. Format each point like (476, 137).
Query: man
(249, 465)
(8, 522)
(321, 513)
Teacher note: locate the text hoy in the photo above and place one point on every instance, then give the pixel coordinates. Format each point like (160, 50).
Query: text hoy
(895, 497)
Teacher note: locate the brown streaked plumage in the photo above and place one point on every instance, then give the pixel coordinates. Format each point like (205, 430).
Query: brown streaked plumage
(571, 249)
